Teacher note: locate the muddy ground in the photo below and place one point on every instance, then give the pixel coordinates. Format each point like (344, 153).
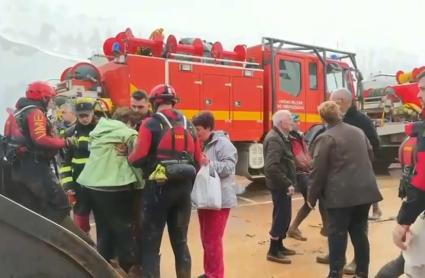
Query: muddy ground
(246, 238)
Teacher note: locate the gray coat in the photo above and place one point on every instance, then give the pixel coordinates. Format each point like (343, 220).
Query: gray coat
(342, 170)
(279, 163)
(223, 156)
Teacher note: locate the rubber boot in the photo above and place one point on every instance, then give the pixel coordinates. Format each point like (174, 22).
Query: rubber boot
(350, 269)
(82, 222)
(68, 224)
(392, 269)
(274, 255)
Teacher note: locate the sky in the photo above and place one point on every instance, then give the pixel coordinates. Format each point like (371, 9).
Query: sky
(386, 35)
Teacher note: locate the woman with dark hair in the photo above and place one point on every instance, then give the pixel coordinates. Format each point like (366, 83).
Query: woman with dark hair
(222, 155)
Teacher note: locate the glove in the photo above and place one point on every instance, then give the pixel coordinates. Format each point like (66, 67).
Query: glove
(71, 142)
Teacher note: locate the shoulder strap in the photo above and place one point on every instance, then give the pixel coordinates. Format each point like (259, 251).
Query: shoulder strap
(20, 118)
(163, 119)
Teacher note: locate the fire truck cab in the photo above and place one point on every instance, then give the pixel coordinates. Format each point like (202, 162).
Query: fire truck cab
(242, 88)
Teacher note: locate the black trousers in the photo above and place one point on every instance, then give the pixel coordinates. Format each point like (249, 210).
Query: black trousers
(282, 213)
(166, 204)
(352, 220)
(37, 188)
(115, 225)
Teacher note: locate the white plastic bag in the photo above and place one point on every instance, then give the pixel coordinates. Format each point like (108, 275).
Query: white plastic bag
(206, 193)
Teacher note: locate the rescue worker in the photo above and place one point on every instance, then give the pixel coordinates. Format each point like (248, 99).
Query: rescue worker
(352, 116)
(30, 134)
(168, 151)
(407, 236)
(280, 172)
(139, 103)
(74, 160)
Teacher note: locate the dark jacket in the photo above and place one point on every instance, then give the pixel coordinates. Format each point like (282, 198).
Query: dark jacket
(414, 204)
(342, 171)
(279, 164)
(75, 156)
(360, 120)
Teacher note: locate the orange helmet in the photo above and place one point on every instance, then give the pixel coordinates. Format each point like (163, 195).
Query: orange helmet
(40, 90)
(161, 94)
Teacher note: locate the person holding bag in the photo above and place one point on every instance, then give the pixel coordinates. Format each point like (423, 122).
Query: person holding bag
(221, 155)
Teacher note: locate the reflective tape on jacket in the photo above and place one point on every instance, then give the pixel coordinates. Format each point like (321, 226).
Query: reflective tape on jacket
(83, 139)
(66, 180)
(79, 160)
(65, 169)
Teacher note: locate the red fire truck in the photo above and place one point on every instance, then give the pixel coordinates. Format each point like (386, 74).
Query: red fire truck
(242, 87)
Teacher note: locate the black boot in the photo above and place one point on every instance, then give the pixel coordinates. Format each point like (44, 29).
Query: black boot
(285, 251)
(274, 255)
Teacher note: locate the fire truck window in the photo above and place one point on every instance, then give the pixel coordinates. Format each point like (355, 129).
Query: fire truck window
(312, 69)
(290, 77)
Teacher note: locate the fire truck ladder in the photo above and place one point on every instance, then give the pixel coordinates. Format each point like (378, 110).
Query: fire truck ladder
(276, 45)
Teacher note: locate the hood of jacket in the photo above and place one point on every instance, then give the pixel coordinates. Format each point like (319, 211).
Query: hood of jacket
(112, 131)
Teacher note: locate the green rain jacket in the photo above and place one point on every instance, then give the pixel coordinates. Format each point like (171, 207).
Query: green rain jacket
(105, 168)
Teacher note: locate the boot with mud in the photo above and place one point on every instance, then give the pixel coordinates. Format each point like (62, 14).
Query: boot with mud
(296, 234)
(350, 269)
(274, 255)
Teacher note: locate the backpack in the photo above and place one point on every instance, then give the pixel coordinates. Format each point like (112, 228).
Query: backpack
(407, 158)
(301, 155)
(172, 149)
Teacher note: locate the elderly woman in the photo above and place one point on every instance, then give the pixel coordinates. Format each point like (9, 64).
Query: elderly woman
(221, 153)
(339, 154)
(280, 172)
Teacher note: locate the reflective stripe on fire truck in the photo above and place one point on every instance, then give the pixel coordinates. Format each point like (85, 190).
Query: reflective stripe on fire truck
(222, 115)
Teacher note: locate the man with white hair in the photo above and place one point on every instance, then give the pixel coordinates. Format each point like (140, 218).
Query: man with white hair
(280, 172)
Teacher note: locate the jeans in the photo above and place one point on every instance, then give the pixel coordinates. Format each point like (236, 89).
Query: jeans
(212, 224)
(166, 204)
(282, 205)
(352, 220)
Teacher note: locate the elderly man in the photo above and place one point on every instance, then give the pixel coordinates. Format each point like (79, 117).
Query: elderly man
(347, 200)
(280, 172)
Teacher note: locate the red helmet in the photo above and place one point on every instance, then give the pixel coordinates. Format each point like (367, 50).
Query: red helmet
(40, 90)
(162, 93)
